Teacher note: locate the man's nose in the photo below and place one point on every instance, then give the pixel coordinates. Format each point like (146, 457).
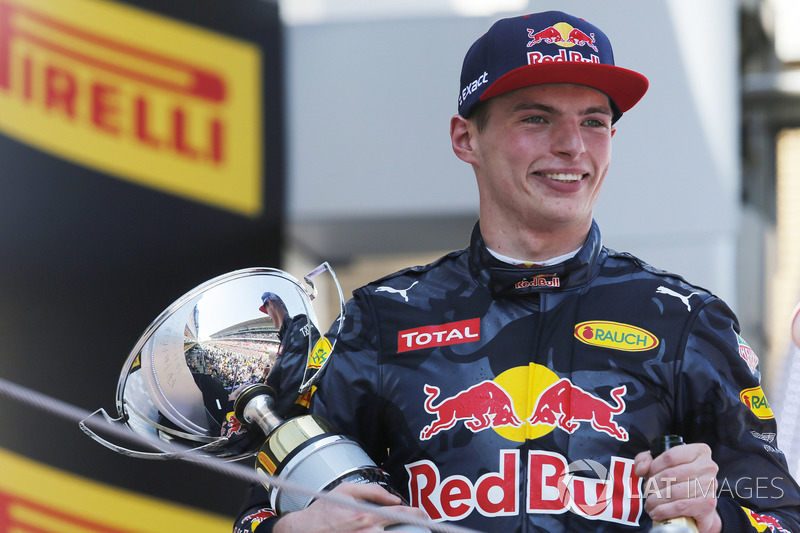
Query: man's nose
(567, 139)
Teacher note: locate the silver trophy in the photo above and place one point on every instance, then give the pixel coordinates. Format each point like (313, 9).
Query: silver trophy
(199, 378)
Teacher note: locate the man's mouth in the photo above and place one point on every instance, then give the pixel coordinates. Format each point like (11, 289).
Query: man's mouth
(564, 178)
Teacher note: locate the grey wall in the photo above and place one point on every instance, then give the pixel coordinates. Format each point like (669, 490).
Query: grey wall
(371, 170)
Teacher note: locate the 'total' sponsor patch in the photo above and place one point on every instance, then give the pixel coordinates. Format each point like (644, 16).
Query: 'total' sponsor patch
(439, 335)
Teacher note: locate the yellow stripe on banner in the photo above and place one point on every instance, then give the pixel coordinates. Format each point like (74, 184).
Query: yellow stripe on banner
(138, 96)
(34, 496)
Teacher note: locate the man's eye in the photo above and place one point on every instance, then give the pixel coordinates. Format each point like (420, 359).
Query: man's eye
(533, 119)
(595, 123)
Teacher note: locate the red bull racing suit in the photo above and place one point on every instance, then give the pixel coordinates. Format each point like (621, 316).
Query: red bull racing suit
(515, 399)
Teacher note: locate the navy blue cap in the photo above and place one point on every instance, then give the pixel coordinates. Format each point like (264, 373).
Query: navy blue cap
(549, 47)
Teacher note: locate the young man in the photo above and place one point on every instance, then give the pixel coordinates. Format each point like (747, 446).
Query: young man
(517, 385)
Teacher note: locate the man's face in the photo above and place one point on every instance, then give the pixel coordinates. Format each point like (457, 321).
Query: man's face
(542, 157)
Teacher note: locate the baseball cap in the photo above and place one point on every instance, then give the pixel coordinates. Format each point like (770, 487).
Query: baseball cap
(268, 297)
(547, 47)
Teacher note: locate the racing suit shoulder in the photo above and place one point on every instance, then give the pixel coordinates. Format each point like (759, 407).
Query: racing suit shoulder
(413, 271)
(719, 381)
(717, 378)
(621, 258)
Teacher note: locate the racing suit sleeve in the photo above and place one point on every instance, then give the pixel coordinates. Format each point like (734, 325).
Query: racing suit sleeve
(348, 393)
(719, 401)
(255, 515)
(344, 396)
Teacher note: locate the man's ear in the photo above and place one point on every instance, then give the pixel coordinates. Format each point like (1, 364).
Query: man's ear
(462, 137)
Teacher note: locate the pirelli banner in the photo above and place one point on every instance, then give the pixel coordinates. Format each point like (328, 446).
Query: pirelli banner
(140, 155)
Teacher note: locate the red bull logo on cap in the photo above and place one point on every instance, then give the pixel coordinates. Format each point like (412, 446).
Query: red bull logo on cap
(565, 36)
(562, 34)
(502, 405)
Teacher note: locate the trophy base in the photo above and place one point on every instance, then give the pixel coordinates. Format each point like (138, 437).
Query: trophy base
(307, 451)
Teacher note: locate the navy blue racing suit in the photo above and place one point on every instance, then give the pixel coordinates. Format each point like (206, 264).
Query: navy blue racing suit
(515, 399)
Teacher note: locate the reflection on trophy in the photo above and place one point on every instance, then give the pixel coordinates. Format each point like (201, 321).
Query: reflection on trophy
(213, 373)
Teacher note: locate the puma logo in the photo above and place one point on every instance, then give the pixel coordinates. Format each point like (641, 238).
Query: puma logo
(401, 292)
(681, 297)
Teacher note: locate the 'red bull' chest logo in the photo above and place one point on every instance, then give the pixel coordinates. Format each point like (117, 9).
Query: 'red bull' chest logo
(499, 404)
(550, 484)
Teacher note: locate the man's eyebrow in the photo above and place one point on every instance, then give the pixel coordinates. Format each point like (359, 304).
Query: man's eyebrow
(605, 110)
(535, 106)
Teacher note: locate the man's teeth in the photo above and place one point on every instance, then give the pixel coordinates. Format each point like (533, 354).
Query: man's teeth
(564, 177)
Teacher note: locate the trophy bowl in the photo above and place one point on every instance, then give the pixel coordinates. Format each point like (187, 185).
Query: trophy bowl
(180, 382)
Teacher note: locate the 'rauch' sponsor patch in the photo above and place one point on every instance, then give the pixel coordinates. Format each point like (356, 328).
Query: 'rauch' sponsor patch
(615, 335)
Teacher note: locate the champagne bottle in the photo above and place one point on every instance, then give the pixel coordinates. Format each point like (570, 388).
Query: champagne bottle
(681, 524)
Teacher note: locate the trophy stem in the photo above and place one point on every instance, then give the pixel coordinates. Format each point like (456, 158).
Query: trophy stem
(258, 409)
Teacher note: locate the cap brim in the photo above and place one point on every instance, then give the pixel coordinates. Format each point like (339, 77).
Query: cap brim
(625, 87)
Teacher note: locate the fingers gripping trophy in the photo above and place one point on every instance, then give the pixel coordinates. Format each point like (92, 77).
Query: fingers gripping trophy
(197, 379)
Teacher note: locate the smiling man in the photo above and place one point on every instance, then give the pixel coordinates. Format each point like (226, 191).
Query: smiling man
(540, 160)
(544, 364)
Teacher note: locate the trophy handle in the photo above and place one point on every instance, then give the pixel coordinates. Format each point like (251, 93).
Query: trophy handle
(117, 424)
(324, 349)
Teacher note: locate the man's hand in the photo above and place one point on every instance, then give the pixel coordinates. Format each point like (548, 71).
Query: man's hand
(681, 482)
(324, 516)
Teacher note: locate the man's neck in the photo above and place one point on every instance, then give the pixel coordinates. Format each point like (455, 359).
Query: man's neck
(532, 245)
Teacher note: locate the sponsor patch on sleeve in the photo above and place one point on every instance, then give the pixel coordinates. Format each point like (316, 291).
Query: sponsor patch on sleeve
(756, 400)
(747, 353)
(763, 522)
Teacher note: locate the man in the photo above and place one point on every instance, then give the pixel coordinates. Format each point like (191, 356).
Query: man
(517, 385)
(297, 337)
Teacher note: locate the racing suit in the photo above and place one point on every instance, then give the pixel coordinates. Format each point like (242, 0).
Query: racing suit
(515, 399)
(286, 375)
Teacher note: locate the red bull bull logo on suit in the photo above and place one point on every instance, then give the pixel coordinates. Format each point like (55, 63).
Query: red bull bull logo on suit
(519, 404)
(481, 406)
(566, 405)
(525, 403)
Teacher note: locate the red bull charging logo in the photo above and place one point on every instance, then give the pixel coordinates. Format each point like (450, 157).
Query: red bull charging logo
(481, 406)
(526, 403)
(562, 34)
(503, 404)
(565, 36)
